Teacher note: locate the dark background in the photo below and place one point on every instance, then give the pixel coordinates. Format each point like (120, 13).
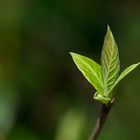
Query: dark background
(43, 96)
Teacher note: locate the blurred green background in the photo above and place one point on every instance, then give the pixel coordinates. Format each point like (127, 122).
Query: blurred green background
(43, 96)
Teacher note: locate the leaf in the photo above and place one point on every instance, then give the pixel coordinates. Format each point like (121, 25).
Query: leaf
(90, 69)
(125, 72)
(104, 78)
(110, 63)
(101, 98)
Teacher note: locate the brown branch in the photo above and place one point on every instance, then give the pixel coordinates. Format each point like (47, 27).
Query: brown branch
(105, 109)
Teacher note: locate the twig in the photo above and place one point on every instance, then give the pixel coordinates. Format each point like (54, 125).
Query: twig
(105, 109)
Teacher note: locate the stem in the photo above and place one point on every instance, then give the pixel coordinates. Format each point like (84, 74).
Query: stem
(105, 109)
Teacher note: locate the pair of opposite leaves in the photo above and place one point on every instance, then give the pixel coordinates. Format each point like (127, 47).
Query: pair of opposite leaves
(104, 77)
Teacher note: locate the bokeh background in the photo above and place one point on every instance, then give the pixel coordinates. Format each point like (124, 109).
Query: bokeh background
(43, 96)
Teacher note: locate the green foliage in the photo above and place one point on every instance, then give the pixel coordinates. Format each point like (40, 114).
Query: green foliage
(103, 78)
(109, 62)
(125, 72)
(90, 69)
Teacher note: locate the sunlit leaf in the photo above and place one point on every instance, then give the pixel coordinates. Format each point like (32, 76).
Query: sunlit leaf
(125, 72)
(109, 62)
(90, 69)
(104, 78)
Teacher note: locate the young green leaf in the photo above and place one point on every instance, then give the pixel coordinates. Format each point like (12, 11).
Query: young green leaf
(104, 78)
(125, 72)
(90, 69)
(109, 62)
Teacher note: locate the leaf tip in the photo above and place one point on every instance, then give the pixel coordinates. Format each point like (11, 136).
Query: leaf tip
(108, 27)
(109, 30)
(138, 63)
(71, 53)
